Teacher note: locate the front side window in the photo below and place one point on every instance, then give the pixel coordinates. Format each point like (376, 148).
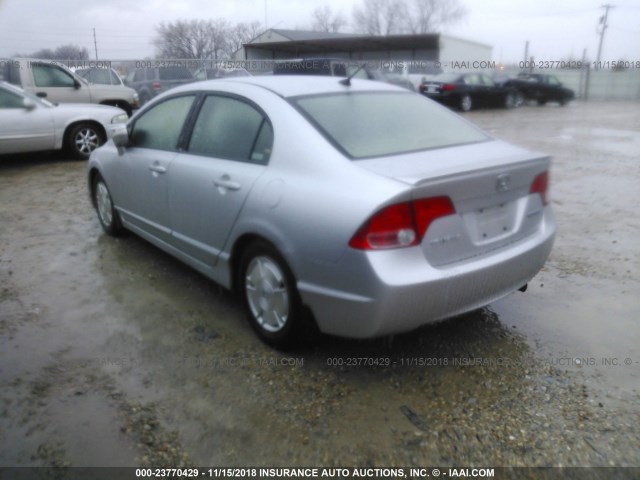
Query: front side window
(472, 80)
(100, 76)
(487, 81)
(160, 127)
(51, 76)
(371, 124)
(231, 129)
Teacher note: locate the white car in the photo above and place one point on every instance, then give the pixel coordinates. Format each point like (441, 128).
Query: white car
(31, 124)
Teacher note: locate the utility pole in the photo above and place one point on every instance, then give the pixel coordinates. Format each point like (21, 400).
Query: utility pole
(265, 16)
(603, 22)
(526, 50)
(95, 43)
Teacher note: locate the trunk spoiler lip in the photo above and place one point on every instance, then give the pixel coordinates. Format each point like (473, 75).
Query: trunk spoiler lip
(494, 155)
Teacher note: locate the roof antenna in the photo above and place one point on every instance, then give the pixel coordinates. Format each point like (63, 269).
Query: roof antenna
(347, 81)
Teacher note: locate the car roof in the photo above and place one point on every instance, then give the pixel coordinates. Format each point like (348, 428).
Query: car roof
(296, 85)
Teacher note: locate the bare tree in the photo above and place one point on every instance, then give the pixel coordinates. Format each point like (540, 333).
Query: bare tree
(385, 17)
(197, 39)
(324, 20)
(240, 34)
(64, 52)
(425, 16)
(380, 17)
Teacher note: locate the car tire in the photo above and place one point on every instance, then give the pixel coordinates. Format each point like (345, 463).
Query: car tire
(269, 296)
(519, 99)
(466, 103)
(542, 102)
(144, 98)
(82, 139)
(107, 215)
(509, 101)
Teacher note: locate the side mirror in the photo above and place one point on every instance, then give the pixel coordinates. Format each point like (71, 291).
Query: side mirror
(76, 83)
(121, 141)
(28, 104)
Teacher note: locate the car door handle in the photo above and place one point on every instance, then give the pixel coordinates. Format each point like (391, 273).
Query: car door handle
(157, 168)
(226, 182)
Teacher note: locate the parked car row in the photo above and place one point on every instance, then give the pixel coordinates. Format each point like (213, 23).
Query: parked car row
(58, 84)
(466, 91)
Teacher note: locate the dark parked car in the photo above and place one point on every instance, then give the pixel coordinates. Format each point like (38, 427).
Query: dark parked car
(469, 90)
(541, 87)
(149, 82)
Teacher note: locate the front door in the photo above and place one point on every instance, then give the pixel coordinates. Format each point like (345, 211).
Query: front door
(144, 170)
(24, 129)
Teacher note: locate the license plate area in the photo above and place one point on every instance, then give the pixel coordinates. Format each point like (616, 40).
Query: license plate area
(489, 224)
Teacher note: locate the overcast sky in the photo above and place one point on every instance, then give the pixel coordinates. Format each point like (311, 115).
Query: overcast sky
(556, 29)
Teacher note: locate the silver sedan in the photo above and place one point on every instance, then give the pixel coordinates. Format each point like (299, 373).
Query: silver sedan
(357, 207)
(31, 124)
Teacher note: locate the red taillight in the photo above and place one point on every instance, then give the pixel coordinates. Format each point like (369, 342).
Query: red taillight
(422, 88)
(540, 185)
(156, 86)
(428, 209)
(447, 87)
(401, 225)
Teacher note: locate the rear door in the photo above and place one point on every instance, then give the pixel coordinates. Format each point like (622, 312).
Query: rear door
(494, 94)
(227, 151)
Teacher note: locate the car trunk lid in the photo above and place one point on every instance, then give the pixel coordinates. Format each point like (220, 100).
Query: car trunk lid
(490, 186)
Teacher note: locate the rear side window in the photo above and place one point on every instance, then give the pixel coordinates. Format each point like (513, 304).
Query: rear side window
(371, 124)
(174, 73)
(159, 128)
(231, 129)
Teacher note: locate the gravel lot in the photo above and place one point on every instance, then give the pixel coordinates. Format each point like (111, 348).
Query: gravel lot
(112, 353)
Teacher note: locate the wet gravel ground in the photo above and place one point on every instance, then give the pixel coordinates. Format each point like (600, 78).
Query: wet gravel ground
(114, 354)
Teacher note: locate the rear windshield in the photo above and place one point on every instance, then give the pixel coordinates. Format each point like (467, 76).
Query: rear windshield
(372, 124)
(445, 77)
(175, 73)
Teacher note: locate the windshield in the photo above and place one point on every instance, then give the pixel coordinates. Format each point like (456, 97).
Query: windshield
(31, 96)
(371, 124)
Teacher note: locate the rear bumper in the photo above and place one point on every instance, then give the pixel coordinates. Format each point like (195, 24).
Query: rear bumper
(400, 291)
